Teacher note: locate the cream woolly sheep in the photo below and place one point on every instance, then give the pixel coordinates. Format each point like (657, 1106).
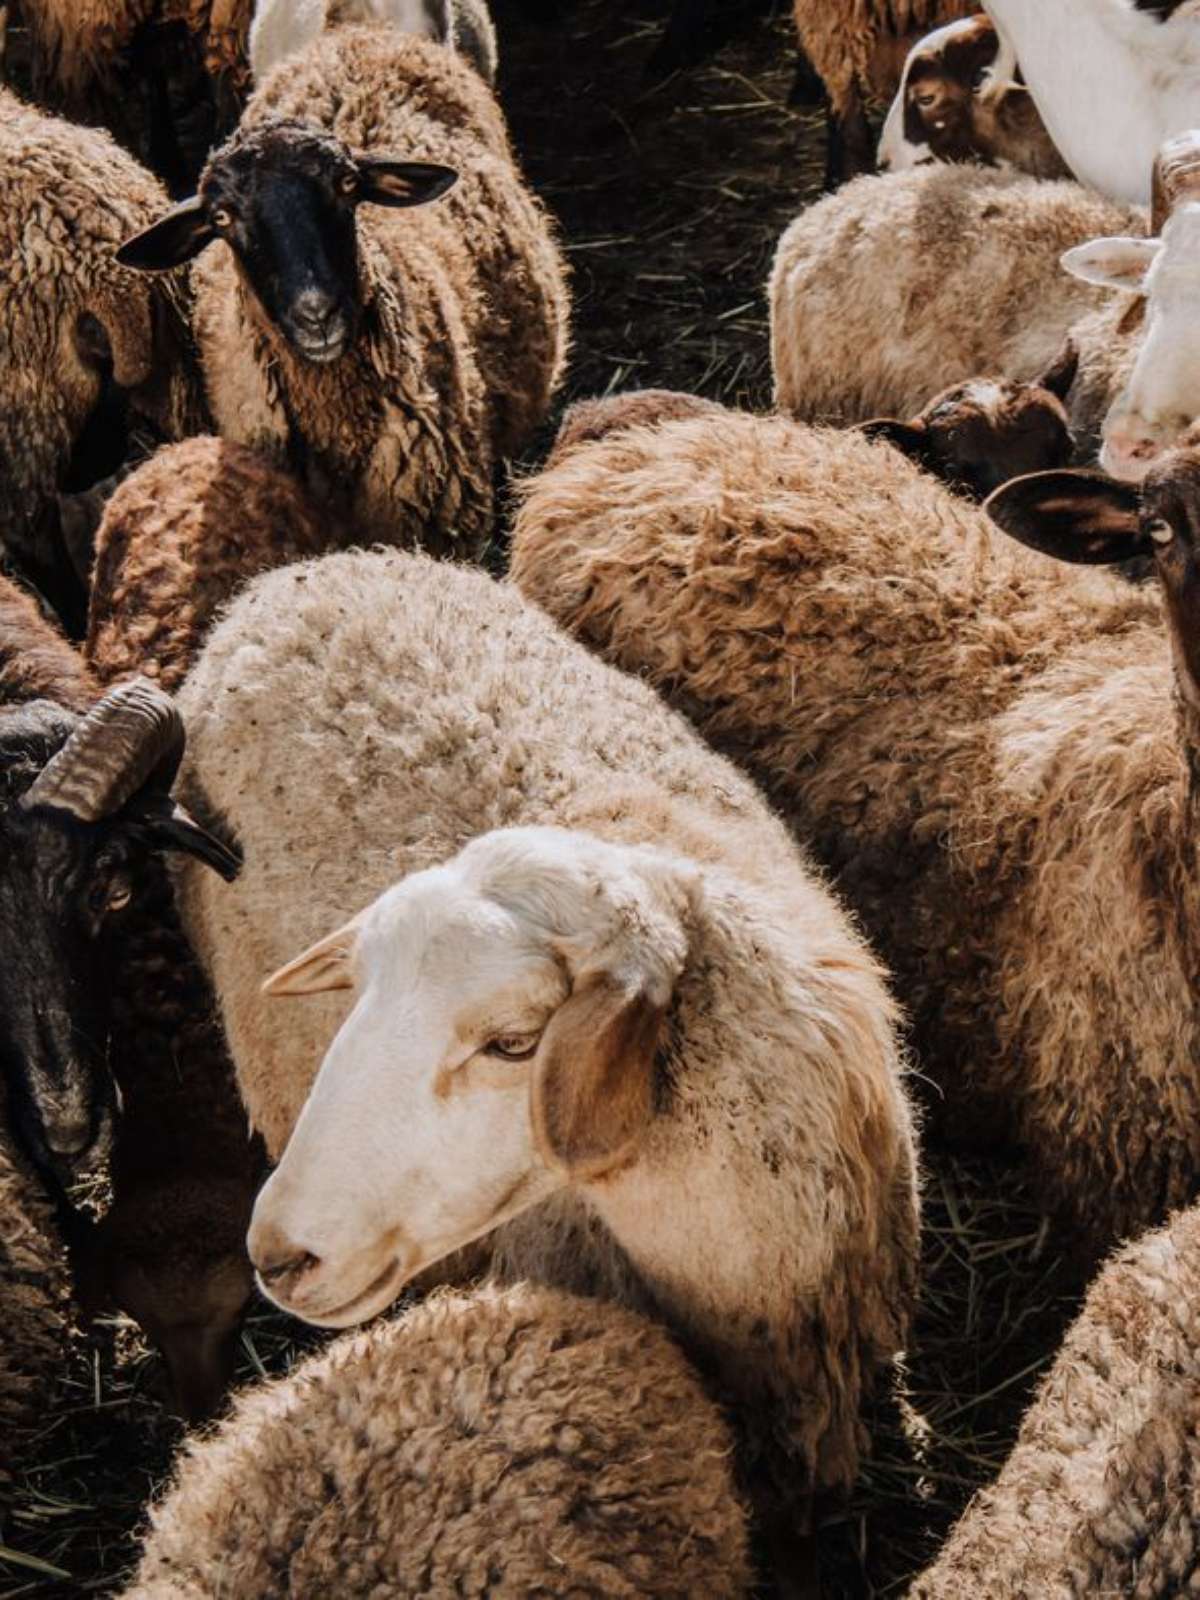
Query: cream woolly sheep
(33, 1280)
(75, 322)
(1101, 1495)
(282, 28)
(981, 744)
(416, 706)
(974, 436)
(509, 1442)
(394, 359)
(903, 284)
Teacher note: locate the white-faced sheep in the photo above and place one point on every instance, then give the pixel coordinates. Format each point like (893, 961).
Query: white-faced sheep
(1101, 1495)
(765, 1205)
(982, 745)
(509, 1442)
(950, 107)
(393, 359)
(283, 28)
(974, 436)
(33, 1293)
(79, 329)
(903, 284)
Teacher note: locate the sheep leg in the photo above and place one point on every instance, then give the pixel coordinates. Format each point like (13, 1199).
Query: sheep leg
(807, 91)
(851, 149)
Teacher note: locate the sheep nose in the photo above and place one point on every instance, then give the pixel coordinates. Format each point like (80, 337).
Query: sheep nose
(315, 311)
(69, 1136)
(277, 1258)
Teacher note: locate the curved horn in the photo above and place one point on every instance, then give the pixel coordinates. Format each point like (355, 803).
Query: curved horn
(133, 735)
(1176, 177)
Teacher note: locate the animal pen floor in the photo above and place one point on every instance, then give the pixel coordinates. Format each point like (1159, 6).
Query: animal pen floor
(671, 200)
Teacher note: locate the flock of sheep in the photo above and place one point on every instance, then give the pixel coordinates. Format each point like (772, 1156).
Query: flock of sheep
(563, 946)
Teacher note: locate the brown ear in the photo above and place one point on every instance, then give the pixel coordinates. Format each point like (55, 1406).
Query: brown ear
(326, 966)
(593, 1084)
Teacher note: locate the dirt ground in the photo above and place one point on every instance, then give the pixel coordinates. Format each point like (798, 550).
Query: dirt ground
(671, 198)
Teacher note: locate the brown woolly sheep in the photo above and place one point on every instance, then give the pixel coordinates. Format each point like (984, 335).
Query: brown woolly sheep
(1101, 1495)
(178, 538)
(33, 1292)
(478, 715)
(949, 108)
(858, 49)
(84, 336)
(903, 284)
(509, 1442)
(974, 436)
(980, 743)
(167, 76)
(394, 359)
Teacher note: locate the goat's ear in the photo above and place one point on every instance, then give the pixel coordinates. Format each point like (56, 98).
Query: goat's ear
(327, 965)
(910, 438)
(1060, 374)
(1113, 263)
(174, 239)
(170, 827)
(402, 183)
(593, 1082)
(1074, 516)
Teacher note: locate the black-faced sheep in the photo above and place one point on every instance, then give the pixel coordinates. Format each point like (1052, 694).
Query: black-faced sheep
(85, 787)
(903, 284)
(981, 744)
(178, 538)
(393, 359)
(1101, 1495)
(80, 330)
(758, 1068)
(283, 28)
(974, 436)
(950, 107)
(505, 1443)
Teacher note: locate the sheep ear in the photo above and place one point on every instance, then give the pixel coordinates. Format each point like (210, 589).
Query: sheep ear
(910, 438)
(1060, 374)
(1113, 263)
(174, 239)
(1073, 516)
(402, 183)
(593, 1084)
(327, 965)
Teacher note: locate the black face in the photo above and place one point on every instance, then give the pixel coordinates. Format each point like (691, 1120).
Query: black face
(283, 196)
(979, 449)
(291, 225)
(63, 889)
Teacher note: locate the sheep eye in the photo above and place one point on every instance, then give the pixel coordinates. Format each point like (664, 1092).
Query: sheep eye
(1160, 530)
(926, 100)
(112, 894)
(222, 217)
(348, 184)
(514, 1046)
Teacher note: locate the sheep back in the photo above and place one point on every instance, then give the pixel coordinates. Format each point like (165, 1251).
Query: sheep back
(178, 538)
(900, 285)
(1101, 1494)
(507, 1443)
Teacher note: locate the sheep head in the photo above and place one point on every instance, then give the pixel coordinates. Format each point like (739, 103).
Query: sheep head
(283, 196)
(503, 1044)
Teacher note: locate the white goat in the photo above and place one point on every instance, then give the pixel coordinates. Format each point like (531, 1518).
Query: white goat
(1150, 355)
(282, 28)
(1111, 81)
